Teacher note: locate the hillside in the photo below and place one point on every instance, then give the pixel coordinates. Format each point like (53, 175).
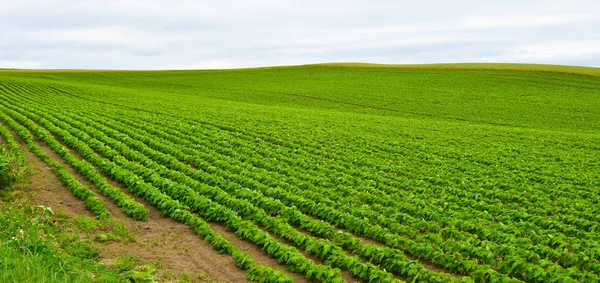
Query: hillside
(433, 173)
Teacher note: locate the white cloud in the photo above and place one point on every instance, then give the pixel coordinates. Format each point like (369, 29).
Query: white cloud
(99, 36)
(523, 21)
(157, 34)
(20, 64)
(549, 51)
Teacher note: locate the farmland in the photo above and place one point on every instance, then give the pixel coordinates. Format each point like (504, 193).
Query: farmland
(336, 172)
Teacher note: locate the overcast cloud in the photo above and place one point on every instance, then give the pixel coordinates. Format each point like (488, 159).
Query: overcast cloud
(186, 34)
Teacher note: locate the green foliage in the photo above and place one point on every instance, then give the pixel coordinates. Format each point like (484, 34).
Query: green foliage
(487, 172)
(13, 163)
(103, 231)
(144, 274)
(33, 248)
(6, 168)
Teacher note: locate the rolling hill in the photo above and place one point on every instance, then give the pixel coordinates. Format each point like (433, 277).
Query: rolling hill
(335, 172)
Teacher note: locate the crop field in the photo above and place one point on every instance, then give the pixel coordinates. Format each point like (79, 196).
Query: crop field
(337, 172)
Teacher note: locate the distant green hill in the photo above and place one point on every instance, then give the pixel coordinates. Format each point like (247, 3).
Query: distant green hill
(531, 96)
(590, 71)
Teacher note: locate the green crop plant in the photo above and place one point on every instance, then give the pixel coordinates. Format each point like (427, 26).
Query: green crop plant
(382, 173)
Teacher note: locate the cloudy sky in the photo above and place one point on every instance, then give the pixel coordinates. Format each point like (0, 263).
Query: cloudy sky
(185, 34)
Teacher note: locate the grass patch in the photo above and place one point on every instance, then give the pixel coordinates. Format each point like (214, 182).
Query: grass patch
(37, 245)
(13, 171)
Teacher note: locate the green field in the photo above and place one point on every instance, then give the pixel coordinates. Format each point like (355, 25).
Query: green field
(381, 173)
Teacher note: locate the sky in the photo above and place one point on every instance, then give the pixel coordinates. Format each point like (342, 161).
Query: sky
(183, 34)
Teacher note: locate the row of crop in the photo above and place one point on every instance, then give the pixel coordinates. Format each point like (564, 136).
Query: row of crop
(507, 249)
(504, 247)
(177, 211)
(288, 214)
(13, 162)
(167, 159)
(308, 223)
(518, 197)
(420, 224)
(334, 256)
(524, 207)
(471, 201)
(488, 233)
(500, 208)
(451, 260)
(209, 210)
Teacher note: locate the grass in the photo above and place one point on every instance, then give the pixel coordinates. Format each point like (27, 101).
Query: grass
(12, 172)
(37, 245)
(6, 166)
(34, 248)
